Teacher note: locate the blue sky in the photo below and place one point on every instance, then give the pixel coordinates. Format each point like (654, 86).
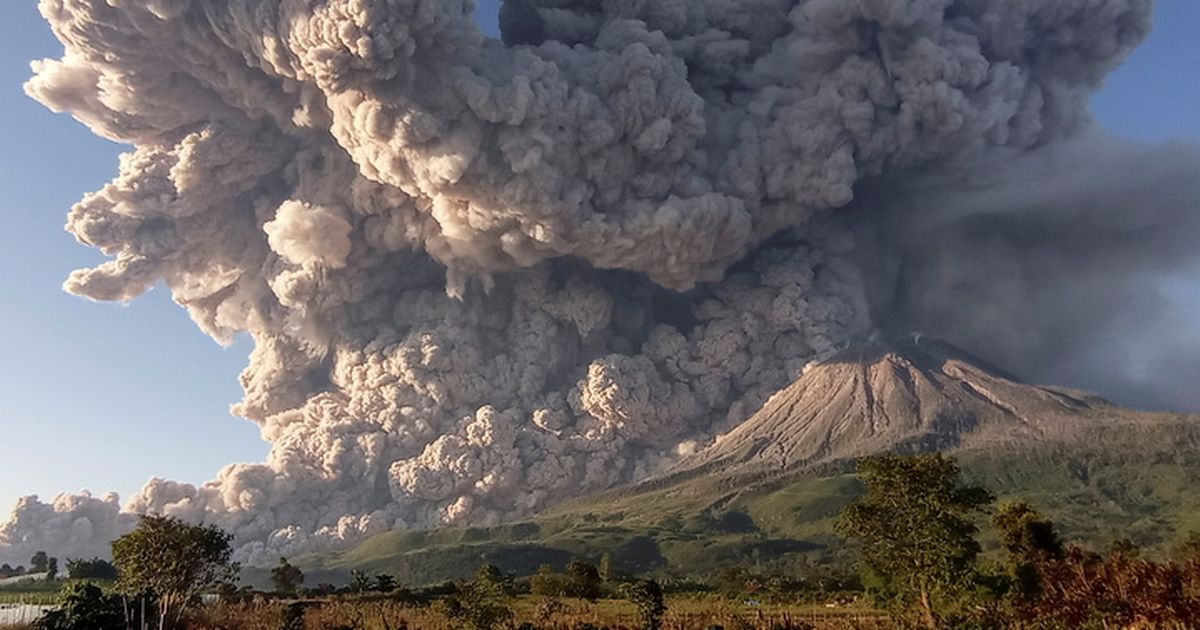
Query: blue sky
(104, 396)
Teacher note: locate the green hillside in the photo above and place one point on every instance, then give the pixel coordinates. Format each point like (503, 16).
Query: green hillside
(1144, 490)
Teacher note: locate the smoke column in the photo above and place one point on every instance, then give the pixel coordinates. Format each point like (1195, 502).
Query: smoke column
(484, 275)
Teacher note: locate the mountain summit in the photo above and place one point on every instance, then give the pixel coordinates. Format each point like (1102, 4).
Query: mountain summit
(916, 394)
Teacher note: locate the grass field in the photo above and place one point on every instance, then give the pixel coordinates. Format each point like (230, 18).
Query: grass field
(40, 593)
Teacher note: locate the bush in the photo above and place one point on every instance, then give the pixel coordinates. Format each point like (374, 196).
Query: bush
(85, 607)
(1085, 590)
(481, 604)
(547, 583)
(647, 595)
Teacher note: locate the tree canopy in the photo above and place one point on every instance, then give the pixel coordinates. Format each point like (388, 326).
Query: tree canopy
(286, 577)
(174, 560)
(915, 527)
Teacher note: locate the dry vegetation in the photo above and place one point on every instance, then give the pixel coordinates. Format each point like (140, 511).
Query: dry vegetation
(684, 613)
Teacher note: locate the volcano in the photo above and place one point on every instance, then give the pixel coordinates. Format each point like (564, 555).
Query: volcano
(769, 489)
(911, 395)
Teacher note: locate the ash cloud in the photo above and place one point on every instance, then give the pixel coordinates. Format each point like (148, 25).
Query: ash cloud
(482, 276)
(1049, 263)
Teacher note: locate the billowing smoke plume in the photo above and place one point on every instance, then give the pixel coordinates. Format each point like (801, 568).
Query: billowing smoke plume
(480, 275)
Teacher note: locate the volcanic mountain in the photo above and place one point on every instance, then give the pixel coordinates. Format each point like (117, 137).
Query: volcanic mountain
(913, 395)
(770, 489)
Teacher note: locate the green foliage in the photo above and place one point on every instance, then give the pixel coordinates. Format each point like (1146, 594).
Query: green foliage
(548, 583)
(360, 582)
(51, 569)
(286, 578)
(647, 595)
(94, 569)
(1029, 539)
(39, 562)
(85, 607)
(583, 581)
(385, 583)
(1145, 486)
(915, 528)
(483, 603)
(174, 560)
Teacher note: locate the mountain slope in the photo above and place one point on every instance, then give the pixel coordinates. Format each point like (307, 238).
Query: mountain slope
(767, 493)
(917, 395)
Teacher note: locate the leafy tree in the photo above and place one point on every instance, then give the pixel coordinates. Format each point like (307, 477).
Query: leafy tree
(85, 607)
(94, 569)
(1030, 539)
(174, 560)
(647, 595)
(547, 583)
(51, 569)
(39, 562)
(914, 524)
(483, 603)
(385, 583)
(360, 582)
(286, 578)
(583, 580)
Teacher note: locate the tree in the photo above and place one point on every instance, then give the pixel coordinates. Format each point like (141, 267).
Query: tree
(583, 580)
(915, 529)
(1030, 539)
(385, 583)
(286, 578)
(546, 582)
(483, 603)
(94, 569)
(51, 569)
(647, 595)
(174, 560)
(360, 582)
(37, 564)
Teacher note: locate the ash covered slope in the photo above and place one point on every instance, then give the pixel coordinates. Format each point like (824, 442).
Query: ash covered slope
(918, 395)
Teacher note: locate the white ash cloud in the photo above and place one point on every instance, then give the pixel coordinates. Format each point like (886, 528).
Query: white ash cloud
(483, 276)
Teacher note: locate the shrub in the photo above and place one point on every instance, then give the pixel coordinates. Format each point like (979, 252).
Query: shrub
(647, 595)
(481, 604)
(85, 607)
